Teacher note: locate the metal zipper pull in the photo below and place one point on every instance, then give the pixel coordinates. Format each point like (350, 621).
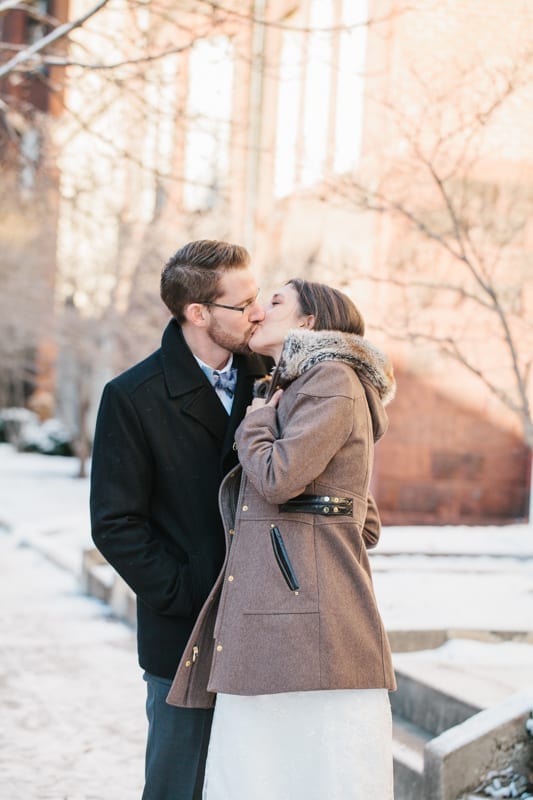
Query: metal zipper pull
(195, 652)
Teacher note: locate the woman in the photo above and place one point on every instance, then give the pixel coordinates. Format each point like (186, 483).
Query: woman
(297, 654)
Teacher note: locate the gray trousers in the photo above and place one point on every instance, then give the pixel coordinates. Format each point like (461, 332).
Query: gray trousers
(176, 748)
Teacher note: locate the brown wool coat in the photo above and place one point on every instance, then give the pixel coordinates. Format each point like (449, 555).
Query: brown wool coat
(254, 635)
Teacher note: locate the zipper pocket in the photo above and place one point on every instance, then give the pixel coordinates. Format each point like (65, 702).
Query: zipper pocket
(283, 560)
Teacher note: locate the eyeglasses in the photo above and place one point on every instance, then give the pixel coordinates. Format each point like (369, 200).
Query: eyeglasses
(242, 309)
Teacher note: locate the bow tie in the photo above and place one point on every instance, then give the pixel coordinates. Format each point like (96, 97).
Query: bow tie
(226, 380)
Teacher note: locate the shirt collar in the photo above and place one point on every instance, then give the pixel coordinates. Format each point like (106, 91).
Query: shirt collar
(208, 371)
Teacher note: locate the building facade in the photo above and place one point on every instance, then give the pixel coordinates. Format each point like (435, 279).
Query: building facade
(381, 146)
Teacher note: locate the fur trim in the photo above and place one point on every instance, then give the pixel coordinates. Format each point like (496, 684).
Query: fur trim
(303, 349)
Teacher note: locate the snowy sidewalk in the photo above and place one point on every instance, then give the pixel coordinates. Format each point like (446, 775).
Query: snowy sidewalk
(73, 723)
(71, 693)
(425, 577)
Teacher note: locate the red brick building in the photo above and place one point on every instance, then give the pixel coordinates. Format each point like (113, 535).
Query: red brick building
(382, 146)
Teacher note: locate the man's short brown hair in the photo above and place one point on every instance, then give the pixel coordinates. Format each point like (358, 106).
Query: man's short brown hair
(193, 273)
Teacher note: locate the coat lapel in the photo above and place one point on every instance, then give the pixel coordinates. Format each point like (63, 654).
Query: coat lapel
(249, 368)
(184, 377)
(205, 407)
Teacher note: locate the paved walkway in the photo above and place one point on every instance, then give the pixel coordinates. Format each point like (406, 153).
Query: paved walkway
(71, 693)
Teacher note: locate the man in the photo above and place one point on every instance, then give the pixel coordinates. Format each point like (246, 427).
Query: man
(163, 442)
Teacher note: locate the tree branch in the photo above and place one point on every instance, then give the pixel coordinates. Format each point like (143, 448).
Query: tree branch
(53, 36)
(449, 347)
(57, 61)
(286, 26)
(433, 286)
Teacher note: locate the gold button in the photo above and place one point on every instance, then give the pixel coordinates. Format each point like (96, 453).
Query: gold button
(245, 508)
(326, 509)
(335, 499)
(219, 647)
(335, 509)
(232, 531)
(230, 579)
(187, 663)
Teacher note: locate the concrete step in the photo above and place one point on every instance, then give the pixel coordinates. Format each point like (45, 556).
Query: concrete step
(442, 687)
(429, 701)
(100, 580)
(445, 715)
(408, 753)
(462, 758)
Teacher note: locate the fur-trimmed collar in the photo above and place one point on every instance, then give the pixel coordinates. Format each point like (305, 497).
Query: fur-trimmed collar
(303, 349)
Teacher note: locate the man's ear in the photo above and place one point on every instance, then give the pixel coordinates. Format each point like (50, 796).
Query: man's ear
(196, 314)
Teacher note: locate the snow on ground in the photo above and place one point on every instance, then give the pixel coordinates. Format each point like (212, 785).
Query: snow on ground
(43, 502)
(425, 577)
(421, 592)
(71, 692)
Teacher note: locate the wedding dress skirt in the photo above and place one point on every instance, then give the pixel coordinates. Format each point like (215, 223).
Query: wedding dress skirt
(301, 746)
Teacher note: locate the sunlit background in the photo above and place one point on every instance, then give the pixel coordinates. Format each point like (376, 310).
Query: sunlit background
(383, 146)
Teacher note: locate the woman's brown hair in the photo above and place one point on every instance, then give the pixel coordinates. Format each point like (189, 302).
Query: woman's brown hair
(332, 309)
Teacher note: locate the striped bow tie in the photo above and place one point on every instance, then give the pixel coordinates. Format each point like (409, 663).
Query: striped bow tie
(226, 380)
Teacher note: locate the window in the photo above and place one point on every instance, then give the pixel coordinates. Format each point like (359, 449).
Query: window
(317, 92)
(209, 109)
(350, 85)
(289, 102)
(320, 96)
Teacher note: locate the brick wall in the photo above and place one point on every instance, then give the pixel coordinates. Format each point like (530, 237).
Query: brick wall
(453, 453)
(442, 461)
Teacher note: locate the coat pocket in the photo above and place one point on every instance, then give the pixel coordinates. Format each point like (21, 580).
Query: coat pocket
(282, 558)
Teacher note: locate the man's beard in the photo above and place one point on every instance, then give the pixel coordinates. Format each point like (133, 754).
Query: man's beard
(229, 342)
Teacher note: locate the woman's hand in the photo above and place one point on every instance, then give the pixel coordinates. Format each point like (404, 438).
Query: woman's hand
(276, 397)
(260, 402)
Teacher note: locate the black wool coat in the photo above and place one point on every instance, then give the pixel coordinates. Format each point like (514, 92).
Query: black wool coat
(163, 442)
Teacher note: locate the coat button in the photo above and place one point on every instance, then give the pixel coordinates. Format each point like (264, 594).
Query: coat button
(231, 531)
(235, 445)
(230, 579)
(245, 508)
(187, 663)
(219, 648)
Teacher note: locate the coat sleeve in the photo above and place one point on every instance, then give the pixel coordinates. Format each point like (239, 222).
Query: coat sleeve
(372, 526)
(121, 476)
(281, 464)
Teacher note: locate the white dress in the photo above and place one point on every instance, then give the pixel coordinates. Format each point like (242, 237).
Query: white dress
(301, 746)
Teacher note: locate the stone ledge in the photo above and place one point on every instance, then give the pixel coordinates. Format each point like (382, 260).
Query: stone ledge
(456, 761)
(100, 580)
(407, 641)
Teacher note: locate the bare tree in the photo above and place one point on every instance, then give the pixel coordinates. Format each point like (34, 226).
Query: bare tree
(434, 183)
(455, 230)
(25, 293)
(96, 181)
